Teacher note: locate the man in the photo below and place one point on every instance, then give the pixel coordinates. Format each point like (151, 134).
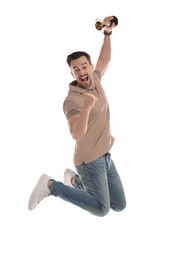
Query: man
(97, 186)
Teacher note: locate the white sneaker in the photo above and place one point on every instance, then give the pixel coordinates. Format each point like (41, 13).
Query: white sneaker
(68, 174)
(40, 191)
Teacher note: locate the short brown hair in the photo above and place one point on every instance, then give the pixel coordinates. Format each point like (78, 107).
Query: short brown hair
(76, 55)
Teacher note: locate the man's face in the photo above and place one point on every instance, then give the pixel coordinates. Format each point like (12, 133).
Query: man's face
(82, 71)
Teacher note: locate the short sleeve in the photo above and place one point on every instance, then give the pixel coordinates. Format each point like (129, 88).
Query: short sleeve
(71, 108)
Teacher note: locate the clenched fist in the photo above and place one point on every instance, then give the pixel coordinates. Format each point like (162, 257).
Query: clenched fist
(89, 101)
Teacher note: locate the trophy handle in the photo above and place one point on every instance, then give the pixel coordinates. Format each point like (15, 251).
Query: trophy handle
(99, 24)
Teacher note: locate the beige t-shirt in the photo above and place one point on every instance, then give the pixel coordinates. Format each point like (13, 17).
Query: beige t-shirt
(97, 140)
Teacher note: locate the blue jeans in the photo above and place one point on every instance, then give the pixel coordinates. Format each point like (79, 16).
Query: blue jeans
(98, 187)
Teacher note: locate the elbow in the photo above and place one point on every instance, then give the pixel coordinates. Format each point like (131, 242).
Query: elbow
(77, 136)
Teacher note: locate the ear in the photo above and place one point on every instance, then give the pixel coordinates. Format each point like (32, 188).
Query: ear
(92, 66)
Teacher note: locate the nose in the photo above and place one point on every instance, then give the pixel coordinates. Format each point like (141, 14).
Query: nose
(81, 71)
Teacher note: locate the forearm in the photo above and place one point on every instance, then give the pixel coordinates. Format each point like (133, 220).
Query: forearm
(78, 126)
(105, 52)
(105, 55)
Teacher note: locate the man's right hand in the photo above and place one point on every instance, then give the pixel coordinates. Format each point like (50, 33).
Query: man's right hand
(89, 101)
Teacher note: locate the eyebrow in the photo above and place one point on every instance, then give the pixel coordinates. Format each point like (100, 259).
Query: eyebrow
(85, 63)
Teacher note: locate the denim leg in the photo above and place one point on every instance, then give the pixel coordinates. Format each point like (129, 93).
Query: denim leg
(116, 191)
(94, 178)
(95, 196)
(78, 183)
(77, 197)
(98, 187)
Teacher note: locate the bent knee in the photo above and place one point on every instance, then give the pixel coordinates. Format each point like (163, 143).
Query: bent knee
(119, 207)
(103, 211)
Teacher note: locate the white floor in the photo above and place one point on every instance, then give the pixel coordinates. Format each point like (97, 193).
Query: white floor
(34, 138)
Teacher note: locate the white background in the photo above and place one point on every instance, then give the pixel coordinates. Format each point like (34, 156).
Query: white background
(36, 36)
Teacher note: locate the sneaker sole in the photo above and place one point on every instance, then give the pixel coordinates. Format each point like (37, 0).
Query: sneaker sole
(41, 179)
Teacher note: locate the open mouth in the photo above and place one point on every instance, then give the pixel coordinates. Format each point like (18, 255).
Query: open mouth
(84, 79)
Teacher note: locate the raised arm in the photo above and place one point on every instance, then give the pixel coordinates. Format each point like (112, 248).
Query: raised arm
(105, 52)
